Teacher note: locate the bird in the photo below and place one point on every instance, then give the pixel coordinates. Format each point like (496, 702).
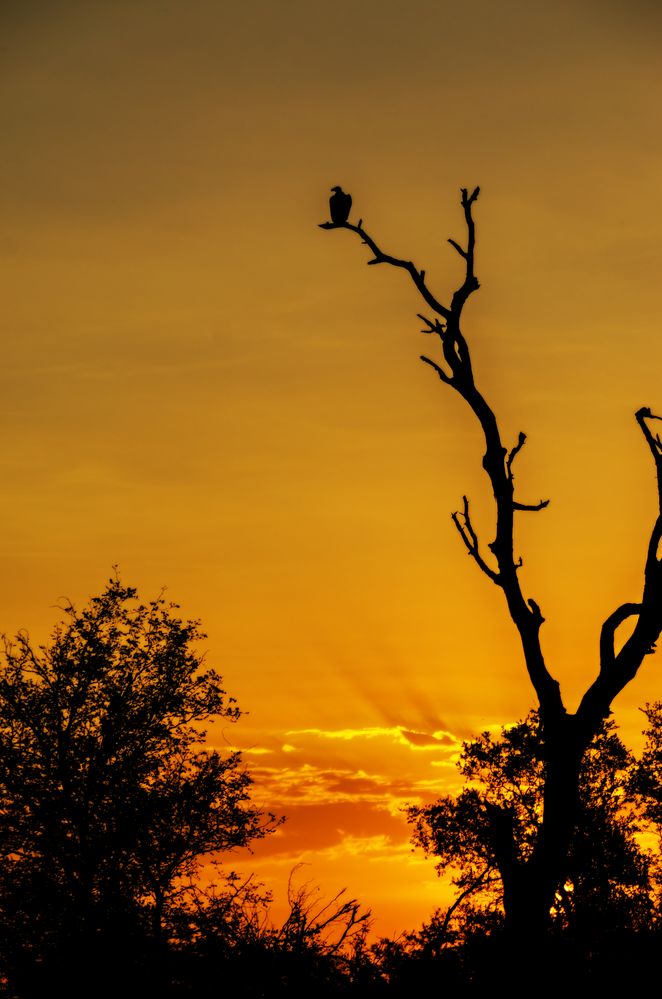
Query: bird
(340, 204)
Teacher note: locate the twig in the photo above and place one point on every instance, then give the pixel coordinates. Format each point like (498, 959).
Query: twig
(466, 531)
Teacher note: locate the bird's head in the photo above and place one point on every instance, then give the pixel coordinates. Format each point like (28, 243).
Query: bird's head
(338, 190)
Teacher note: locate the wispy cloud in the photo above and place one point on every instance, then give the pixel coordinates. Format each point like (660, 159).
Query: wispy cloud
(398, 733)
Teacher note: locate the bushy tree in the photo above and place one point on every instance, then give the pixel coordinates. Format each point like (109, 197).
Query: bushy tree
(109, 799)
(230, 934)
(495, 822)
(647, 779)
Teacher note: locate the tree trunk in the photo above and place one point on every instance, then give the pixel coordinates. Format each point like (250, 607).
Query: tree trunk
(535, 882)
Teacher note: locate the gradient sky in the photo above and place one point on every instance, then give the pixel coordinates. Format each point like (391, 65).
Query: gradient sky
(201, 386)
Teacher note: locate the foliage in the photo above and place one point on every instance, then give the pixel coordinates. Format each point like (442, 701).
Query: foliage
(647, 779)
(609, 877)
(109, 801)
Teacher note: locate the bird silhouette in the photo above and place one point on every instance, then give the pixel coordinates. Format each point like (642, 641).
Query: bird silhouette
(340, 204)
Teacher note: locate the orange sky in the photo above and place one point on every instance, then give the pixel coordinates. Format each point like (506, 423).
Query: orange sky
(201, 386)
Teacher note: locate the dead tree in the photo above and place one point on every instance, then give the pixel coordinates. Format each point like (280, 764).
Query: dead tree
(530, 883)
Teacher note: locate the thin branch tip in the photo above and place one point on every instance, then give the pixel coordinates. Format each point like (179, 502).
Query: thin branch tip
(468, 199)
(456, 246)
(440, 371)
(465, 529)
(646, 413)
(531, 507)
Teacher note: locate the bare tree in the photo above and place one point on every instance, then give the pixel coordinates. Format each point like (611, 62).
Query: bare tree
(530, 882)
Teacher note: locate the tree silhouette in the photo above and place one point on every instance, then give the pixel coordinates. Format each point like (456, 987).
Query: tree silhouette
(530, 881)
(647, 778)
(609, 884)
(108, 802)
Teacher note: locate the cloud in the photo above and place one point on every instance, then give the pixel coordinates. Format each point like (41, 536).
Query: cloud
(347, 734)
(397, 733)
(343, 791)
(314, 827)
(422, 740)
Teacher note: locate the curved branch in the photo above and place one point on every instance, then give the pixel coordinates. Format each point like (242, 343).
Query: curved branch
(471, 889)
(616, 670)
(608, 634)
(418, 277)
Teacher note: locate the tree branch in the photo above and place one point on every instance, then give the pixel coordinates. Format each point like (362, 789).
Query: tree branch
(418, 277)
(456, 246)
(470, 539)
(471, 889)
(653, 442)
(433, 325)
(616, 670)
(470, 283)
(608, 634)
(530, 506)
(512, 454)
(440, 371)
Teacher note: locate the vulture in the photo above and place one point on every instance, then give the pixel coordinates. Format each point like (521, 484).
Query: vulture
(340, 204)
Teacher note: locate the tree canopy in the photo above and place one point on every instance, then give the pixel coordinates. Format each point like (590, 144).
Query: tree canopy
(609, 882)
(110, 801)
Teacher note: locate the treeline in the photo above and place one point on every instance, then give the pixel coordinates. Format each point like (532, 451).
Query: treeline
(111, 802)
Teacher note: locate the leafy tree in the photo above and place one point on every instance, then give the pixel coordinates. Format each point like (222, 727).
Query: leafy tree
(647, 779)
(532, 878)
(495, 822)
(109, 801)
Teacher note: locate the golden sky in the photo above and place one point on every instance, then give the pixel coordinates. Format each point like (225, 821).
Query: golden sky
(201, 386)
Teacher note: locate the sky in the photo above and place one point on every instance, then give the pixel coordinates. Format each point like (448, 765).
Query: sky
(202, 387)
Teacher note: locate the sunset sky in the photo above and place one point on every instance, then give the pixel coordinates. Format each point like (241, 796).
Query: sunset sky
(202, 387)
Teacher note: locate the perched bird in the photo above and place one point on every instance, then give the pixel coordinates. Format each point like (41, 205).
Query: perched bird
(340, 204)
